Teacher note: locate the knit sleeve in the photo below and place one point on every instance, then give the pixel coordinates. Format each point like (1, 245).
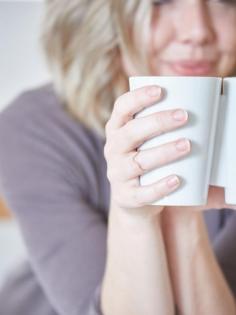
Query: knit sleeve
(47, 178)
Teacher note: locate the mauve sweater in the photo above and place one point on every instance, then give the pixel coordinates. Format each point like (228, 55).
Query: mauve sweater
(53, 178)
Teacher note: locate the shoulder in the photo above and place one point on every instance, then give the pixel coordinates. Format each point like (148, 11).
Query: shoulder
(38, 136)
(39, 114)
(43, 106)
(31, 103)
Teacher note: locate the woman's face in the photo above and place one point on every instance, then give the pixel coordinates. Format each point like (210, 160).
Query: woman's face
(192, 37)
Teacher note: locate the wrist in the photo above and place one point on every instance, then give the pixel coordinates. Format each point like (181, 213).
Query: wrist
(182, 217)
(136, 220)
(183, 225)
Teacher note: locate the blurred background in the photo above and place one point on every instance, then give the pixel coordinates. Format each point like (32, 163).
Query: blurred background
(22, 67)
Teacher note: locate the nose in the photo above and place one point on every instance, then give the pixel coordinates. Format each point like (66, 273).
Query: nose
(193, 24)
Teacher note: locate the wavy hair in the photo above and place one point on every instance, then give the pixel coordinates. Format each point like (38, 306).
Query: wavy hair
(82, 41)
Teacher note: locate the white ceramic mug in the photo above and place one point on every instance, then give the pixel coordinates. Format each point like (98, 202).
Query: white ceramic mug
(200, 97)
(229, 88)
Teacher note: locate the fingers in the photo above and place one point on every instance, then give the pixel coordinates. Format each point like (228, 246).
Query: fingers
(140, 196)
(124, 135)
(130, 103)
(140, 162)
(139, 130)
(151, 193)
(162, 155)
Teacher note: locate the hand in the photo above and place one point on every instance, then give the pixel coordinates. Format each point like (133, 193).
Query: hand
(215, 200)
(125, 163)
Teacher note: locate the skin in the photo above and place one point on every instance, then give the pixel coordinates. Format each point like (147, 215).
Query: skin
(179, 233)
(204, 33)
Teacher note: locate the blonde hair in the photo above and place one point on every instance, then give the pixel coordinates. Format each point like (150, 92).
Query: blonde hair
(82, 41)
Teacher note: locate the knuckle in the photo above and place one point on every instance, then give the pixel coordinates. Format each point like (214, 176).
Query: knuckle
(135, 170)
(131, 124)
(140, 164)
(130, 137)
(108, 150)
(109, 174)
(105, 150)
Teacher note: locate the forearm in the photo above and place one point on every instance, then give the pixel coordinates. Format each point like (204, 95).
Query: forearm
(198, 283)
(136, 280)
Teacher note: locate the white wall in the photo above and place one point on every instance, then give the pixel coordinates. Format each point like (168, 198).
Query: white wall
(22, 64)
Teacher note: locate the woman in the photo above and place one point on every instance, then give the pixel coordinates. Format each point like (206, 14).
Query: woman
(95, 246)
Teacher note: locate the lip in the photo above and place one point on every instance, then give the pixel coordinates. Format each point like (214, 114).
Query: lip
(188, 67)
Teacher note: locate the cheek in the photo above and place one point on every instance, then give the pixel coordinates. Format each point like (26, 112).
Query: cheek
(225, 31)
(226, 46)
(227, 39)
(160, 32)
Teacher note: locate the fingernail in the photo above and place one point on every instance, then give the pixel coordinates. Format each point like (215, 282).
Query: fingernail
(182, 145)
(154, 91)
(180, 115)
(173, 182)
